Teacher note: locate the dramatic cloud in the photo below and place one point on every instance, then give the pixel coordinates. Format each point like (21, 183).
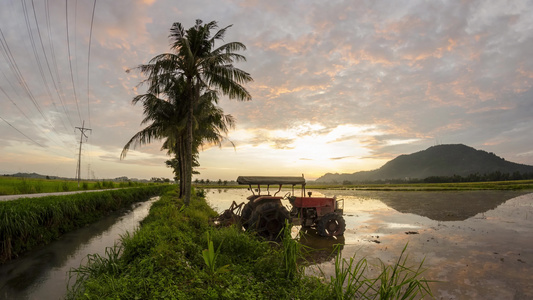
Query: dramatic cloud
(339, 86)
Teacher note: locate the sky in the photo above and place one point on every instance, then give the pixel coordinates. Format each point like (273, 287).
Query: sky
(339, 86)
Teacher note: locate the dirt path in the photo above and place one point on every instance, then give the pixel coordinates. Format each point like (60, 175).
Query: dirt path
(14, 197)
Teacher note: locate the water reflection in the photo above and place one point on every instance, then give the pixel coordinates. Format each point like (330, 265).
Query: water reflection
(477, 244)
(43, 274)
(447, 206)
(438, 206)
(319, 249)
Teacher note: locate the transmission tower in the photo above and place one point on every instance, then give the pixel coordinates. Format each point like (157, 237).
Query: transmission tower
(78, 169)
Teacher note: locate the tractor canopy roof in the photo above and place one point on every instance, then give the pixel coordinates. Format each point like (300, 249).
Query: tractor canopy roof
(270, 180)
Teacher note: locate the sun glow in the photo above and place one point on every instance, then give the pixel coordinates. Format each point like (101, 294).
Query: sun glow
(311, 149)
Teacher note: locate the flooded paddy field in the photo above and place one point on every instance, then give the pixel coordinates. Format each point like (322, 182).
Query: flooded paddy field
(477, 244)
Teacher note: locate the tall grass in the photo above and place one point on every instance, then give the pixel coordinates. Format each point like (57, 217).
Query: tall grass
(26, 223)
(397, 281)
(349, 281)
(400, 281)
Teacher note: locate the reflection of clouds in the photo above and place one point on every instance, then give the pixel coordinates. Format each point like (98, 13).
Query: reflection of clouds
(478, 258)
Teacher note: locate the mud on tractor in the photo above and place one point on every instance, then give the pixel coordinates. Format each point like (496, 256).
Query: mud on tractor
(266, 214)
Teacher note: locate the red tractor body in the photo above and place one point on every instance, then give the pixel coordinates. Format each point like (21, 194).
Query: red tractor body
(266, 214)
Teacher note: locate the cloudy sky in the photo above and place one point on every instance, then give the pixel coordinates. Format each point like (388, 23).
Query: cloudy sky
(339, 86)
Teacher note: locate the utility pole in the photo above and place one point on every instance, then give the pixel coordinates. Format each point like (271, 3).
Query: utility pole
(82, 130)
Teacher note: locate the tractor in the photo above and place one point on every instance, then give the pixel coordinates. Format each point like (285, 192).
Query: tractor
(265, 214)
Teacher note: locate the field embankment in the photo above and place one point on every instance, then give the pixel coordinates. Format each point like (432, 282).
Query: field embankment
(449, 186)
(177, 254)
(27, 223)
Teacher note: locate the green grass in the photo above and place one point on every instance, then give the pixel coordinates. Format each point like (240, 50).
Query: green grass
(177, 254)
(16, 186)
(29, 222)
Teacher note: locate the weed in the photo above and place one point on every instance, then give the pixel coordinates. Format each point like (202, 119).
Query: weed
(210, 258)
(291, 252)
(401, 282)
(394, 282)
(349, 281)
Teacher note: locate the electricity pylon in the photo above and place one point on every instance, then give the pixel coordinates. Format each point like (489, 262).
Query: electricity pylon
(82, 130)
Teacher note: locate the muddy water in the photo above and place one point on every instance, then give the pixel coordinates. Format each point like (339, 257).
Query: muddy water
(477, 244)
(43, 274)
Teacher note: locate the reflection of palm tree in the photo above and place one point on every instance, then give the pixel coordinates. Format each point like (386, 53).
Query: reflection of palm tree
(189, 79)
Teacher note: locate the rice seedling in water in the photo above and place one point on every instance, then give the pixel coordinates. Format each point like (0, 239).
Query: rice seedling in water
(349, 281)
(400, 281)
(394, 282)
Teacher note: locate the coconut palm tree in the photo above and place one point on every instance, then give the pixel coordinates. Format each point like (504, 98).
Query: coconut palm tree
(212, 125)
(166, 118)
(202, 66)
(183, 88)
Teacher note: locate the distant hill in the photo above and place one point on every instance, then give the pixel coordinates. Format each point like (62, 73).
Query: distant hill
(441, 160)
(32, 175)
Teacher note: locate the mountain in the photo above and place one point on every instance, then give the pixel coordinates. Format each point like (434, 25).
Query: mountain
(441, 160)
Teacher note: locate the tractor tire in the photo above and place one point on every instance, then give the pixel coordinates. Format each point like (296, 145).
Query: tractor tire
(331, 224)
(246, 214)
(268, 220)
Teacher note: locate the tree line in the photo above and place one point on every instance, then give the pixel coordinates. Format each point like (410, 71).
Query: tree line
(475, 177)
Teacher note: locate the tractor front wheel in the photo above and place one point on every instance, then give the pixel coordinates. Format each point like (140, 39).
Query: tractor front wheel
(331, 224)
(268, 220)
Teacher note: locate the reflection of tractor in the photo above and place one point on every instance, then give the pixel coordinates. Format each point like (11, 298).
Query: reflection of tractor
(266, 215)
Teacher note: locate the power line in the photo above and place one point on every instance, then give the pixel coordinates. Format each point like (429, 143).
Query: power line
(70, 61)
(88, 63)
(29, 138)
(47, 63)
(14, 68)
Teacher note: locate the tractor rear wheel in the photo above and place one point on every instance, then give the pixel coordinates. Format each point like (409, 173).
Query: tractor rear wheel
(246, 214)
(331, 224)
(268, 220)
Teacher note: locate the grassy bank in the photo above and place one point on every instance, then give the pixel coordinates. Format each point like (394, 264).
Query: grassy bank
(176, 254)
(458, 186)
(20, 185)
(29, 222)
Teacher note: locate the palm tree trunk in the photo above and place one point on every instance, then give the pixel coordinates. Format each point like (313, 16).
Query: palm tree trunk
(188, 156)
(181, 159)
